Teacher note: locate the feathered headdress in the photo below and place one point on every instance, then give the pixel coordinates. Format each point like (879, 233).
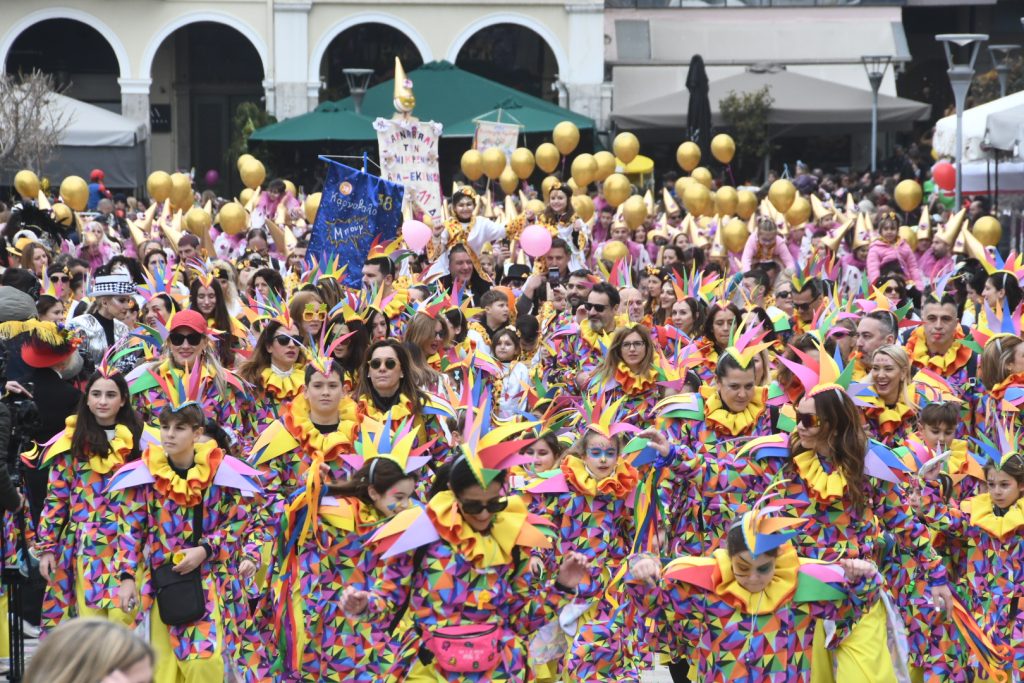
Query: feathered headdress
(604, 419)
(488, 449)
(182, 389)
(763, 528)
(386, 440)
(1004, 449)
(820, 375)
(746, 344)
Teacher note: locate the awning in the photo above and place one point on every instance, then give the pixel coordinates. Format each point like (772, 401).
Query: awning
(532, 119)
(326, 122)
(998, 124)
(801, 104)
(92, 126)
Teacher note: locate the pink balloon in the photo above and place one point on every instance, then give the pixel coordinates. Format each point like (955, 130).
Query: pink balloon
(536, 240)
(212, 177)
(416, 234)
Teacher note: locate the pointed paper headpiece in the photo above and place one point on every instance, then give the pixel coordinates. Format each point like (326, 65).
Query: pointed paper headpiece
(487, 449)
(746, 344)
(764, 529)
(404, 100)
(820, 375)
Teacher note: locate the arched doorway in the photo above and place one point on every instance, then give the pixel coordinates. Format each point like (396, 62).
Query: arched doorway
(81, 61)
(207, 89)
(512, 55)
(365, 46)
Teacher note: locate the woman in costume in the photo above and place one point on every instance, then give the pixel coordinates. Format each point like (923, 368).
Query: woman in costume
(478, 538)
(723, 316)
(275, 369)
(890, 412)
(631, 370)
(1000, 369)
(561, 221)
(206, 295)
(101, 327)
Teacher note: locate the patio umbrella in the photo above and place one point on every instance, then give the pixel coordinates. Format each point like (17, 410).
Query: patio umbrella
(698, 113)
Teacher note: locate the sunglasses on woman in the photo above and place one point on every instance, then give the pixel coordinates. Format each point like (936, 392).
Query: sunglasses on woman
(177, 338)
(389, 363)
(807, 420)
(314, 312)
(59, 277)
(286, 340)
(475, 507)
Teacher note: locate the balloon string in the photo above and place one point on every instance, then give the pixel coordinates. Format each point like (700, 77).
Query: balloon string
(728, 168)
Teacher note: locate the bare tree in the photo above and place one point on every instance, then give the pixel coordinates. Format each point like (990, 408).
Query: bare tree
(31, 126)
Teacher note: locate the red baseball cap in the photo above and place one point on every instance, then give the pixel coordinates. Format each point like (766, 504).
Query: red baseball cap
(192, 320)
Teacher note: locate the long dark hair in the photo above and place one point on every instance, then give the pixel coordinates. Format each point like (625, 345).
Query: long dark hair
(221, 319)
(709, 322)
(252, 369)
(89, 437)
(379, 474)
(406, 385)
(840, 425)
(357, 343)
(457, 477)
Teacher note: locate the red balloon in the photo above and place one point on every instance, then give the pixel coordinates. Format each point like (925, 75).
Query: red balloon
(944, 175)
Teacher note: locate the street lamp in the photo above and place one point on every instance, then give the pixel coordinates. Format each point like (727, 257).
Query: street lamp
(960, 76)
(358, 80)
(876, 66)
(1000, 55)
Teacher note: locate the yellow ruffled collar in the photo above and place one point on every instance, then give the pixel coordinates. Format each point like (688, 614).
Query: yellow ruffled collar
(982, 514)
(313, 443)
(619, 484)
(121, 446)
(955, 358)
(778, 591)
(351, 514)
(483, 549)
(187, 491)
(632, 383)
(727, 423)
(889, 418)
(1014, 380)
(593, 338)
(825, 487)
(284, 387)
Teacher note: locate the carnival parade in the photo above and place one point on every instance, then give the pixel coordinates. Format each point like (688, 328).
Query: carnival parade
(525, 413)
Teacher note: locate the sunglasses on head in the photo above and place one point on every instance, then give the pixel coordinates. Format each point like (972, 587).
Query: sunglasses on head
(286, 340)
(177, 338)
(475, 507)
(807, 420)
(59, 277)
(599, 308)
(389, 363)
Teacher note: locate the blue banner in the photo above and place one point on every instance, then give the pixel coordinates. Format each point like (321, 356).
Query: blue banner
(355, 209)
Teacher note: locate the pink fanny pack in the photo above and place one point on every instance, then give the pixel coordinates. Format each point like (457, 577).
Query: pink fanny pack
(474, 648)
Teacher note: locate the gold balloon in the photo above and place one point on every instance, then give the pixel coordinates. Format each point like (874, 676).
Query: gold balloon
(494, 162)
(522, 163)
(311, 206)
(696, 199)
(548, 157)
(988, 230)
(289, 187)
(198, 221)
(253, 173)
(583, 205)
(782, 194)
(584, 169)
(746, 204)
(158, 185)
(232, 218)
(723, 148)
(799, 212)
(243, 160)
(547, 184)
(245, 196)
(702, 176)
(508, 180)
(688, 156)
(626, 146)
(566, 136)
(616, 189)
(181, 191)
(27, 184)
(614, 250)
(75, 192)
(726, 200)
(634, 211)
(735, 235)
(62, 214)
(910, 235)
(605, 165)
(682, 184)
(536, 206)
(908, 195)
(472, 165)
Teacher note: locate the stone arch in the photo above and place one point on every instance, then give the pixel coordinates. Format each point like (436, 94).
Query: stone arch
(244, 28)
(123, 62)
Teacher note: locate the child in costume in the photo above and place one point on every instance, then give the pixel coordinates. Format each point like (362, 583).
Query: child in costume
(458, 570)
(752, 606)
(510, 385)
(184, 516)
(890, 247)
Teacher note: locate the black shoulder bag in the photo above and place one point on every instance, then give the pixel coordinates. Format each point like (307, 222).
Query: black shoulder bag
(180, 597)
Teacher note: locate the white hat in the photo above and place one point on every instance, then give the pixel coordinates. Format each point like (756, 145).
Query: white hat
(111, 285)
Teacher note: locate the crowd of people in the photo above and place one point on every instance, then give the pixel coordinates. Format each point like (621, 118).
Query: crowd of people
(798, 461)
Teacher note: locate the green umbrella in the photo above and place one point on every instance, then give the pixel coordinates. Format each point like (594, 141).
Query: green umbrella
(326, 122)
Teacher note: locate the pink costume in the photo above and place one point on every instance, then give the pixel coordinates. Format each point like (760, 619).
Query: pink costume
(755, 252)
(880, 253)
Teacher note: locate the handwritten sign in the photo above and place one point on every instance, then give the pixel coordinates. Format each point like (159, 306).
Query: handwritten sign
(355, 209)
(504, 136)
(408, 155)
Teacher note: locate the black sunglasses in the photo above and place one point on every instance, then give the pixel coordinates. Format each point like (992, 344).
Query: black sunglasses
(475, 507)
(177, 338)
(59, 278)
(389, 363)
(807, 420)
(595, 307)
(803, 307)
(286, 340)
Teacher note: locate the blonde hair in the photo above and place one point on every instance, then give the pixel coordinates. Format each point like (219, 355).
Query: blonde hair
(85, 651)
(901, 358)
(994, 365)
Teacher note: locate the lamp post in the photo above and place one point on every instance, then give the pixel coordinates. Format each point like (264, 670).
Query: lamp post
(357, 80)
(876, 66)
(1000, 55)
(960, 76)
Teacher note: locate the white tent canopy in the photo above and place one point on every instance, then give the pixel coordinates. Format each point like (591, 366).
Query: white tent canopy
(994, 125)
(92, 126)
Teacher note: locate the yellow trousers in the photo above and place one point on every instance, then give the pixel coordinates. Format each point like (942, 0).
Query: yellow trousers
(5, 629)
(169, 669)
(862, 656)
(115, 614)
